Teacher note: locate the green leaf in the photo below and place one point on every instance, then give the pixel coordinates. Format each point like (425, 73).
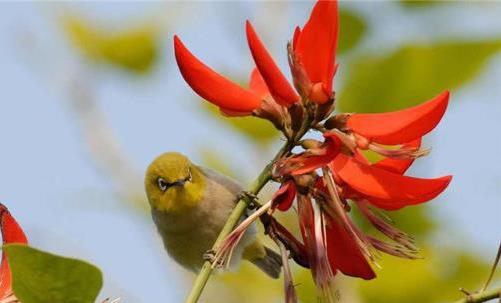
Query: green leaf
(412, 75)
(441, 273)
(134, 50)
(40, 277)
(258, 130)
(353, 28)
(421, 3)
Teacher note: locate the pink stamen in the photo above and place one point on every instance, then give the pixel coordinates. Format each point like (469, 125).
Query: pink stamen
(402, 153)
(389, 230)
(337, 211)
(225, 251)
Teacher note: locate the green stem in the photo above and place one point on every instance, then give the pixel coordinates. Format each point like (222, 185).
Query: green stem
(232, 221)
(239, 210)
(482, 297)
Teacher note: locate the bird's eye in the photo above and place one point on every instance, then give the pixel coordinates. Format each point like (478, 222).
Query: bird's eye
(162, 184)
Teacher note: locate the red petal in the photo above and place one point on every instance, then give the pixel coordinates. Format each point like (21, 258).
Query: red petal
(280, 88)
(317, 43)
(212, 86)
(285, 195)
(310, 163)
(400, 126)
(11, 233)
(344, 253)
(398, 166)
(380, 184)
(257, 84)
(295, 38)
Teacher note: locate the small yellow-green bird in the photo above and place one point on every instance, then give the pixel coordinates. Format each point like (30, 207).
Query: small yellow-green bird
(190, 205)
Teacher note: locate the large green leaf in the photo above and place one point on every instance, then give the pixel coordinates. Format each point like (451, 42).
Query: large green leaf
(421, 3)
(133, 49)
(40, 277)
(352, 30)
(411, 75)
(256, 129)
(435, 279)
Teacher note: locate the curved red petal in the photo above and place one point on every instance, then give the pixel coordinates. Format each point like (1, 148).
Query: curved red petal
(257, 84)
(285, 195)
(295, 38)
(376, 183)
(280, 88)
(310, 163)
(344, 253)
(317, 43)
(400, 126)
(398, 166)
(212, 86)
(11, 233)
(394, 204)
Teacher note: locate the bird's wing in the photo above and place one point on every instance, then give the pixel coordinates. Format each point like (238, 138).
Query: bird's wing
(232, 185)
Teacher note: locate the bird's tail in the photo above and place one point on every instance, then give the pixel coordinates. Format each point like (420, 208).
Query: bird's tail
(270, 263)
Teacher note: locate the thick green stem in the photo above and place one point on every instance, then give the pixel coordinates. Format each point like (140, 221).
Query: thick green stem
(482, 297)
(238, 211)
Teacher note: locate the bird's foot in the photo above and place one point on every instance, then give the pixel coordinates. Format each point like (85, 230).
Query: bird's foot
(210, 256)
(252, 198)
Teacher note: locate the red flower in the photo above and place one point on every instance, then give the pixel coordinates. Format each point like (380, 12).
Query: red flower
(314, 58)
(229, 96)
(11, 233)
(328, 177)
(314, 48)
(402, 126)
(279, 87)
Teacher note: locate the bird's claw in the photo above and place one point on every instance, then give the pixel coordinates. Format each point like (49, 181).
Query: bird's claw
(210, 256)
(252, 198)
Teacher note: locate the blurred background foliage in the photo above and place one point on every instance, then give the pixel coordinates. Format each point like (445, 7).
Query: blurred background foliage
(371, 79)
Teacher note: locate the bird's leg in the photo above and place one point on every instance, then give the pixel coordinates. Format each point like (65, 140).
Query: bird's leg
(210, 256)
(252, 198)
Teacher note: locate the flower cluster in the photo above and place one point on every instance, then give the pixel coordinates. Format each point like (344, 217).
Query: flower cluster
(11, 233)
(330, 176)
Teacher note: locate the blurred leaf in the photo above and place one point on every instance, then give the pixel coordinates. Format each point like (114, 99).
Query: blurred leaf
(434, 279)
(135, 50)
(353, 28)
(40, 277)
(412, 75)
(248, 285)
(421, 3)
(256, 129)
(213, 159)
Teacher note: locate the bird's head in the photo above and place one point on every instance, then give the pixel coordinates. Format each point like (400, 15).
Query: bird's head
(173, 183)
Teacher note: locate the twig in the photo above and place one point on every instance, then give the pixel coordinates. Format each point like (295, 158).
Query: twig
(238, 211)
(481, 297)
(232, 221)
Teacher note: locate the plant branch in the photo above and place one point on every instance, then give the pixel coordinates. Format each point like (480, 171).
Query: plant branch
(232, 221)
(481, 297)
(263, 178)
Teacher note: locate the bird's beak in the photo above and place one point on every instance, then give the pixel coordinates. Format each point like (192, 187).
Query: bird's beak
(178, 183)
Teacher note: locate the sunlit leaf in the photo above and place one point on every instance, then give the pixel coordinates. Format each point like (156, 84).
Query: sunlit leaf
(213, 159)
(133, 49)
(432, 280)
(421, 3)
(258, 130)
(412, 74)
(353, 28)
(40, 277)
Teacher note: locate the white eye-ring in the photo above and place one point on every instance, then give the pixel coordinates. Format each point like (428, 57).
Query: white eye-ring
(162, 184)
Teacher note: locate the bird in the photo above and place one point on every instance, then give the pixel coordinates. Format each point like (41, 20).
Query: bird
(190, 205)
